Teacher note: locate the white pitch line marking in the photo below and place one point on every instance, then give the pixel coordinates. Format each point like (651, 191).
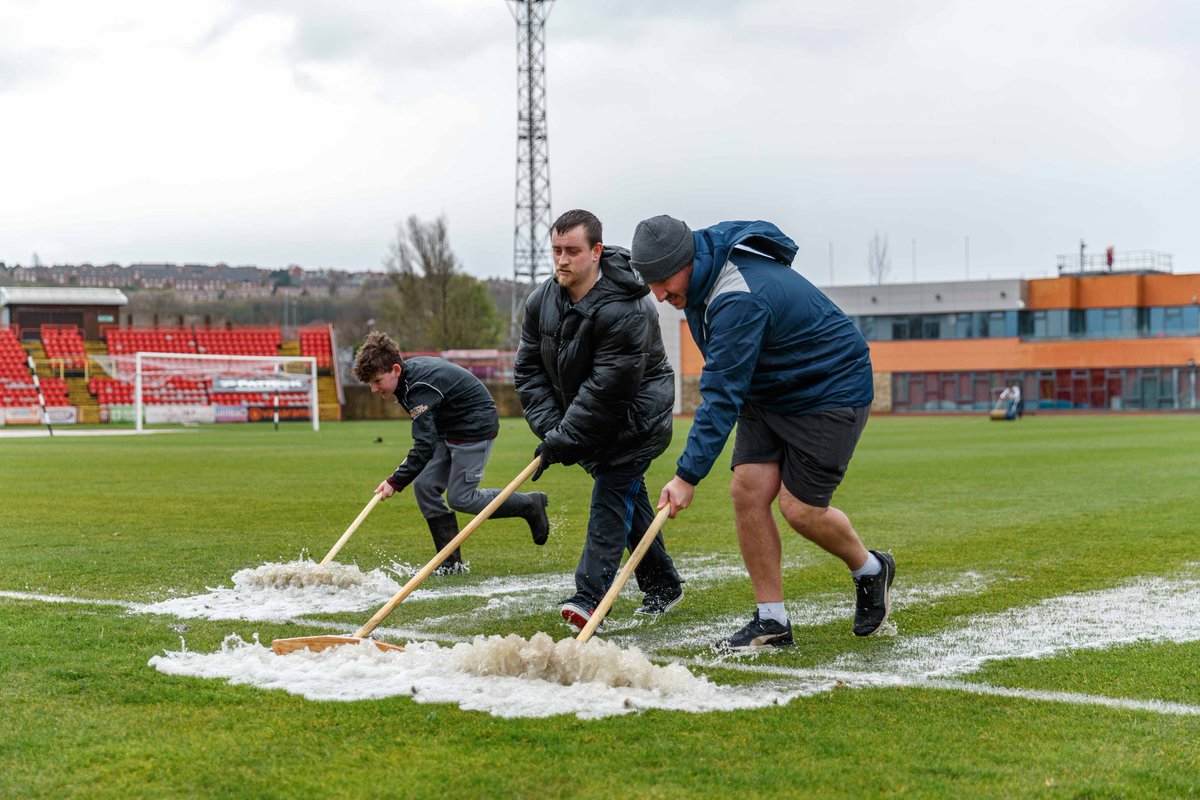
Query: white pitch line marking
(52, 598)
(866, 680)
(1145, 609)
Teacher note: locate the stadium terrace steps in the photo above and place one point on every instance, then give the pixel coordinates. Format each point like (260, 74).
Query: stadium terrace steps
(327, 403)
(84, 401)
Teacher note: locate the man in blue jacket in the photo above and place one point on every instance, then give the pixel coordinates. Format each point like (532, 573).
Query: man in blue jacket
(784, 363)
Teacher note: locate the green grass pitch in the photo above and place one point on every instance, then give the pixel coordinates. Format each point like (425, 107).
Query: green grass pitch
(1016, 514)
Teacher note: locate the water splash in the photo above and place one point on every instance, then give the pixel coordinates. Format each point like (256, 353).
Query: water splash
(277, 592)
(569, 661)
(427, 673)
(299, 575)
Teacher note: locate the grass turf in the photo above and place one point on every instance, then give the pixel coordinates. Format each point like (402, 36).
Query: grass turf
(1046, 506)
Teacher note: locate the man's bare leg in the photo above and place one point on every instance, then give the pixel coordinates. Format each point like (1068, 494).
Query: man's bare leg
(754, 488)
(828, 528)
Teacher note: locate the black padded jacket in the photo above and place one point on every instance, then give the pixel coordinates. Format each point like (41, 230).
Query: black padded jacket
(593, 376)
(446, 402)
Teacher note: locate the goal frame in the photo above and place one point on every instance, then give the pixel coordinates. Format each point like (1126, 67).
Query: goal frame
(139, 405)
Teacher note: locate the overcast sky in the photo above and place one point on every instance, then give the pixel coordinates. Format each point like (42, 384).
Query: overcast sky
(277, 132)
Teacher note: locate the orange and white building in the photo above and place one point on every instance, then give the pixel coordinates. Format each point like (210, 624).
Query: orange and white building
(1088, 341)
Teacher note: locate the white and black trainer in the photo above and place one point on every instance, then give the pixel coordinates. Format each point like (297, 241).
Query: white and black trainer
(757, 634)
(873, 597)
(660, 602)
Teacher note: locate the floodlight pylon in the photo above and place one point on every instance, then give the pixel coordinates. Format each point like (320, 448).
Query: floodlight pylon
(531, 231)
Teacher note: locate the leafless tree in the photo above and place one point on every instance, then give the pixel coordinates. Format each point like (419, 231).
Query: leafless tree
(879, 264)
(437, 306)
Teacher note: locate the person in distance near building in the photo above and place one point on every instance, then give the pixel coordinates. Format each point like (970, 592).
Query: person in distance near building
(598, 390)
(454, 423)
(784, 363)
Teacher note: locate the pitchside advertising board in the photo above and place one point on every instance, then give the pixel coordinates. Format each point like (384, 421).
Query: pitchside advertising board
(158, 415)
(260, 385)
(155, 415)
(116, 413)
(263, 385)
(58, 415)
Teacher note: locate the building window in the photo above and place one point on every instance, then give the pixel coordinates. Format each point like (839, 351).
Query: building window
(1112, 322)
(995, 325)
(1191, 320)
(1056, 323)
(1076, 323)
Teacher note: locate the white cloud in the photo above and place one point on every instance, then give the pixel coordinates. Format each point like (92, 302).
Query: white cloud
(272, 132)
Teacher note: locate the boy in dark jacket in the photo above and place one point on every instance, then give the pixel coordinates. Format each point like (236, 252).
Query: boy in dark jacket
(597, 389)
(784, 363)
(454, 423)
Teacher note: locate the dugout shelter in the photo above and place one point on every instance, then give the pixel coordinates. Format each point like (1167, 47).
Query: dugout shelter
(28, 308)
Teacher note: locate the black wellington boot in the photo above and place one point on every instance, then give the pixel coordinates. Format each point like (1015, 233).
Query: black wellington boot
(531, 507)
(444, 528)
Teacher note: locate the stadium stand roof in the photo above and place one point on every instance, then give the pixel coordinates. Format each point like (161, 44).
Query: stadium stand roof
(60, 296)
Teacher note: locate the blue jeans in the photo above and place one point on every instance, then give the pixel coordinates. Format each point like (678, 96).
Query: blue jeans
(621, 506)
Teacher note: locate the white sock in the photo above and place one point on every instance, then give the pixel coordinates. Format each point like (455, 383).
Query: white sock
(872, 567)
(774, 611)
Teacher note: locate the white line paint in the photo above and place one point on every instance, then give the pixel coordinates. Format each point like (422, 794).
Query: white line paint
(39, 433)
(53, 598)
(1148, 609)
(1073, 698)
(1153, 609)
(866, 680)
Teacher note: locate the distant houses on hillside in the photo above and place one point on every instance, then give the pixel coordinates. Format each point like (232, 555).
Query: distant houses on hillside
(197, 282)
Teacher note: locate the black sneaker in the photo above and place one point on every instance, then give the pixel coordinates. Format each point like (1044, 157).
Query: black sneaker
(539, 522)
(757, 634)
(873, 597)
(577, 614)
(661, 601)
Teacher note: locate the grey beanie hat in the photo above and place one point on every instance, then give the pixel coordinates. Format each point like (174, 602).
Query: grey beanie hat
(662, 246)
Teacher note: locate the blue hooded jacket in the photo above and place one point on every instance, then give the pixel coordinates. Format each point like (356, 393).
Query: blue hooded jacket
(767, 335)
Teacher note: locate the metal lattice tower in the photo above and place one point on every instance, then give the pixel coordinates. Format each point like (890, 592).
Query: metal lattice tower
(531, 233)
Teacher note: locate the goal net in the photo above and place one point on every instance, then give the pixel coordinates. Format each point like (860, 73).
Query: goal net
(198, 387)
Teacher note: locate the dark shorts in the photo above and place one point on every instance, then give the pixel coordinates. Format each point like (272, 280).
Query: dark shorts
(812, 450)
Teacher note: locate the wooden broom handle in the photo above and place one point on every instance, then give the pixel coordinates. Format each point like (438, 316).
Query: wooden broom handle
(374, 501)
(445, 552)
(618, 583)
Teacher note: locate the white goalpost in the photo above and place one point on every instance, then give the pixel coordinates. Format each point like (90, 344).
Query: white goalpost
(244, 383)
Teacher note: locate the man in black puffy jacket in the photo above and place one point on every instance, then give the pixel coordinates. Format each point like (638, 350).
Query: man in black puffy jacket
(597, 389)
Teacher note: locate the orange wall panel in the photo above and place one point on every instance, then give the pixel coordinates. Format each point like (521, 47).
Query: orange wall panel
(1053, 293)
(1014, 354)
(1114, 291)
(1171, 290)
(1110, 291)
(690, 360)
